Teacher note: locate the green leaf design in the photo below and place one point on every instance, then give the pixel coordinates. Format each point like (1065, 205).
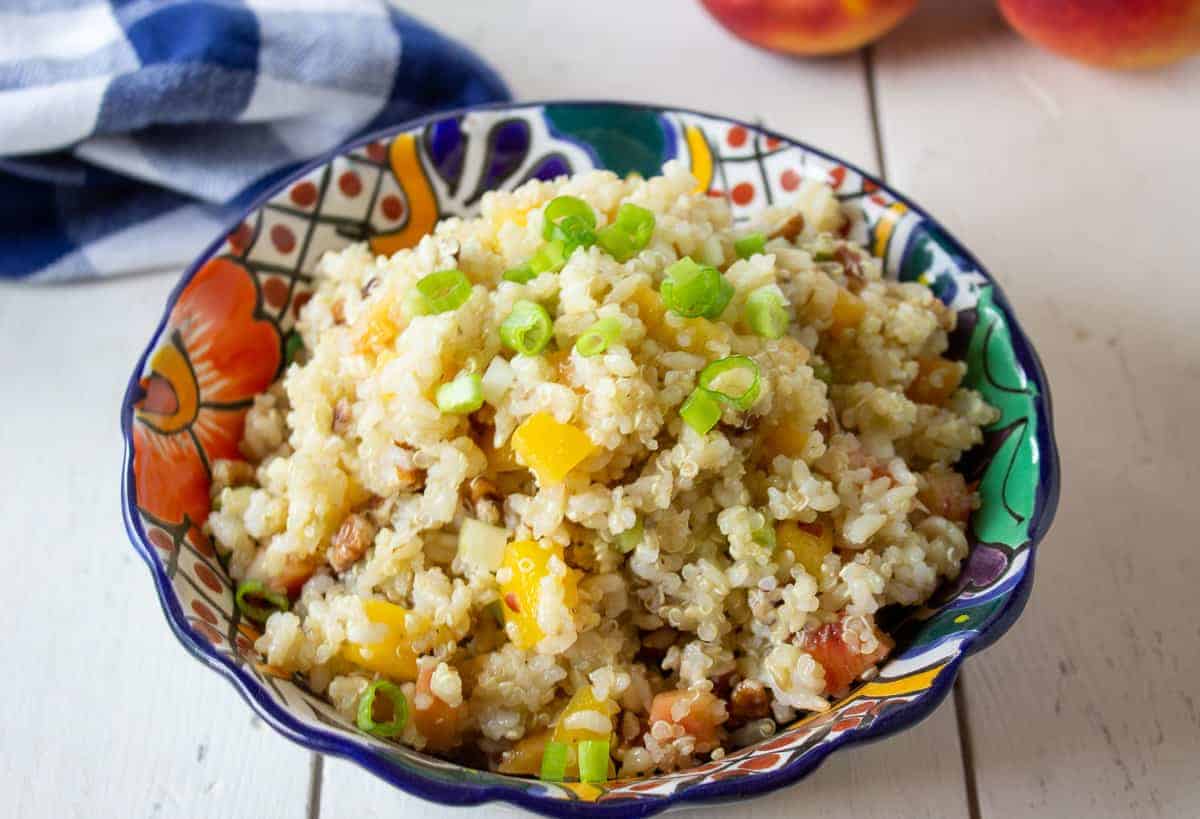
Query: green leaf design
(1009, 484)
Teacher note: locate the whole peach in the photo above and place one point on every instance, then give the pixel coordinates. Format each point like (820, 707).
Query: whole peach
(1110, 33)
(810, 27)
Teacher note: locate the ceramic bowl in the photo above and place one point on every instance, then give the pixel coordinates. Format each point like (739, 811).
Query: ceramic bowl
(227, 326)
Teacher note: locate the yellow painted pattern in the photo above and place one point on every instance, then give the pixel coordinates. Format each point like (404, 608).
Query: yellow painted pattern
(170, 364)
(584, 790)
(422, 204)
(886, 224)
(905, 685)
(701, 157)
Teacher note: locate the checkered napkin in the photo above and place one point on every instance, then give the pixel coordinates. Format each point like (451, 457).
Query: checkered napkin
(132, 131)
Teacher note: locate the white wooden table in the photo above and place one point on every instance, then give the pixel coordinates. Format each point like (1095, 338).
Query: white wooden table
(1089, 707)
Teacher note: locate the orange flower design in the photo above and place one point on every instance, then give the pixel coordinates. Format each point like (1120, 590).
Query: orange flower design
(216, 354)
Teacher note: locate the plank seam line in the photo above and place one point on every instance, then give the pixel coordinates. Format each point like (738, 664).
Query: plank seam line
(868, 62)
(966, 748)
(315, 775)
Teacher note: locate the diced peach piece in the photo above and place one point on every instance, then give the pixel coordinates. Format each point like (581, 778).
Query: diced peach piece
(435, 719)
(937, 379)
(377, 332)
(848, 311)
(946, 494)
(785, 438)
(551, 449)
(525, 758)
(700, 719)
(842, 663)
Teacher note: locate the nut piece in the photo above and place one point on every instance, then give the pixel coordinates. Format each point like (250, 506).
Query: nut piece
(485, 499)
(351, 541)
(338, 310)
(852, 265)
(790, 229)
(229, 472)
(748, 701)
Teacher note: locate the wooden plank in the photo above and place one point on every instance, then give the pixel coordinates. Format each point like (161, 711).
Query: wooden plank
(103, 713)
(1073, 185)
(673, 53)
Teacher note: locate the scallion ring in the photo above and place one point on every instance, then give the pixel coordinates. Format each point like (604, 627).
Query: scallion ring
(765, 313)
(597, 338)
(700, 411)
(734, 380)
(527, 329)
(461, 396)
(257, 602)
(561, 207)
(593, 760)
(444, 290)
(549, 258)
(691, 289)
(394, 707)
(749, 245)
(520, 274)
(554, 762)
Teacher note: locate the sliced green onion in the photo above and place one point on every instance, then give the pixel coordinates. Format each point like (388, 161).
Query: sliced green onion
(520, 274)
(445, 290)
(549, 258)
(692, 289)
(554, 762)
(749, 244)
(593, 760)
(629, 233)
(637, 222)
(628, 540)
(700, 411)
(562, 207)
(527, 329)
(461, 396)
(821, 370)
(398, 706)
(257, 602)
(765, 314)
(616, 243)
(292, 347)
(573, 232)
(596, 338)
(738, 369)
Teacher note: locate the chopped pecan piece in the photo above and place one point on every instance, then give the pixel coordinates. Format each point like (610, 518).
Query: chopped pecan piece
(350, 542)
(790, 229)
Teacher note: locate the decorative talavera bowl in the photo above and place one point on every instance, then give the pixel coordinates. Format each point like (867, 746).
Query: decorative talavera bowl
(226, 328)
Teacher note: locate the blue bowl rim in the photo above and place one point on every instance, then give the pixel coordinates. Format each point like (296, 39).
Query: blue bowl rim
(326, 742)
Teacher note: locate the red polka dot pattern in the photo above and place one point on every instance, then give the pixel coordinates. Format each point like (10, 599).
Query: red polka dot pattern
(303, 194)
(392, 208)
(210, 633)
(201, 608)
(759, 763)
(209, 578)
(201, 543)
(283, 239)
(736, 137)
(377, 151)
(742, 193)
(772, 143)
(275, 292)
(299, 301)
(789, 180)
(837, 176)
(349, 184)
(240, 239)
(161, 539)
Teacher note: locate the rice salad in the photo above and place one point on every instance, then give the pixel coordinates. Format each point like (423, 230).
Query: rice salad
(596, 484)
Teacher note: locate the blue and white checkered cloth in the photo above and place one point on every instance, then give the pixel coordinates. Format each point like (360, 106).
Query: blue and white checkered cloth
(132, 131)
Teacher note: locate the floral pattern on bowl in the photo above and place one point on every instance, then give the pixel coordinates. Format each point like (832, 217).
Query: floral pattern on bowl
(227, 332)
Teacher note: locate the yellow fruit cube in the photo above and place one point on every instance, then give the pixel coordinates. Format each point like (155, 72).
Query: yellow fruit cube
(584, 700)
(391, 656)
(528, 566)
(808, 542)
(549, 448)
